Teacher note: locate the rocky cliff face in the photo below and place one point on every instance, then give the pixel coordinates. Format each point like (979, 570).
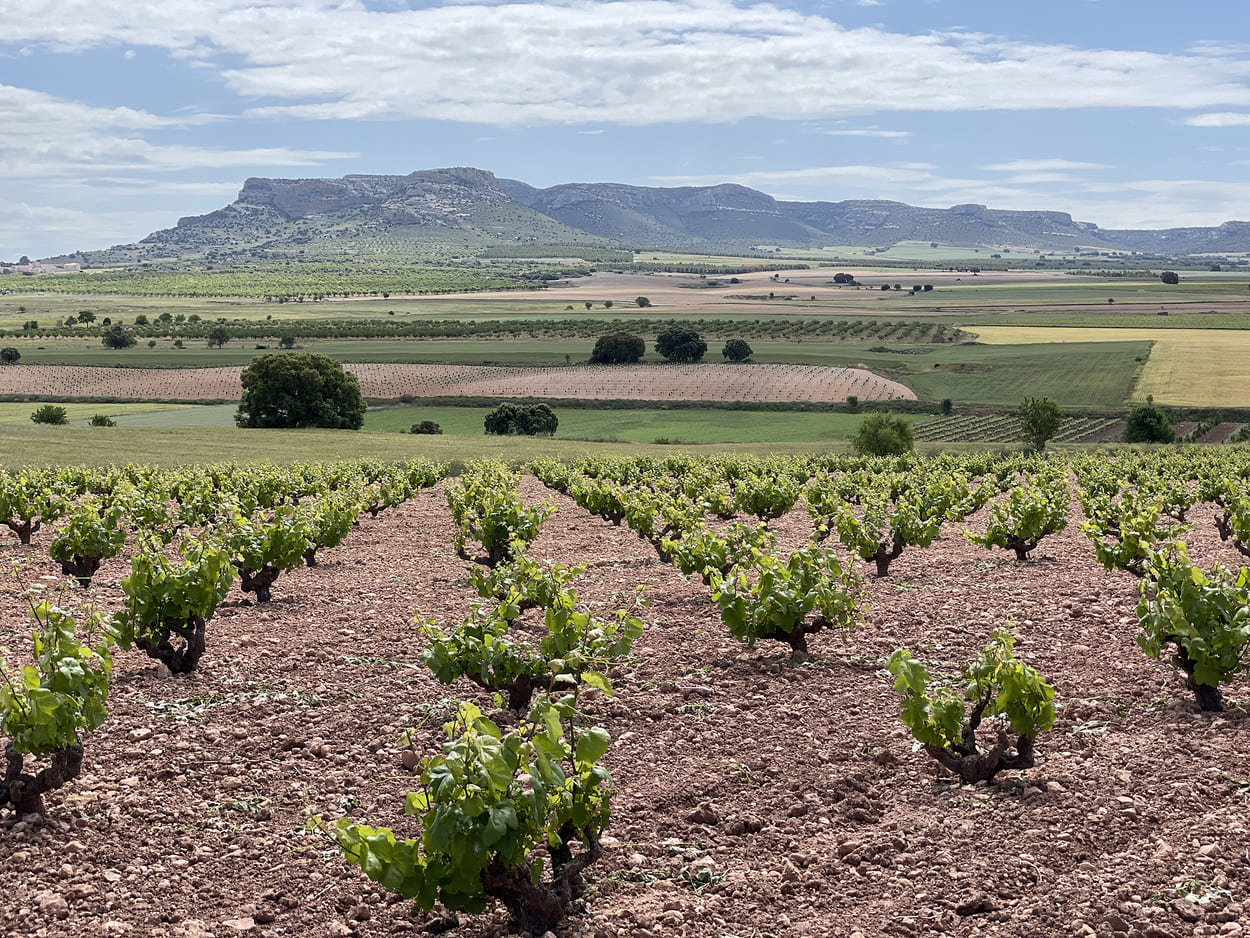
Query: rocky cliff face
(272, 214)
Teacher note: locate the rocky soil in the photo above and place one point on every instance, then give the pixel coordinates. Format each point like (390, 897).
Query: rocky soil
(755, 797)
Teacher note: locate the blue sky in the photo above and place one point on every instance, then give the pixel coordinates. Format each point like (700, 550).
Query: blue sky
(118, 118)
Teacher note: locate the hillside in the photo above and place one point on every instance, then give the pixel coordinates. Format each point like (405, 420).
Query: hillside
(460, 212)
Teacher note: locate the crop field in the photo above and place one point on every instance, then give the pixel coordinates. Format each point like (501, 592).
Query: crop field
(643, 425)
(1194, 367)
(623, 382)
(754, 789)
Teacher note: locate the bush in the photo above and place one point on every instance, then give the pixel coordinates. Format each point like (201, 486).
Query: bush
(680, 344)
(9, 355)
(884, 435)
(1148, 424)
(522, 419)
(51, 414)
(737, 350)
(1170, 277)
(617, 348)
(642, 302)
(426, 426)
(300, 390)
(103, 420)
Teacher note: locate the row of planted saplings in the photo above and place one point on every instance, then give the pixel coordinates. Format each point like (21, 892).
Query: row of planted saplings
(189, 545)
(514, 814)
(1202, 614)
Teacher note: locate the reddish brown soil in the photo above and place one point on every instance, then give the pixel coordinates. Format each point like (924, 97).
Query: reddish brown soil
(706, 382)
(755, 797)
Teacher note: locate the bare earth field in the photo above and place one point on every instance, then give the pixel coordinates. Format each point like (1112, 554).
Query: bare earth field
(755, 797)
(710, 382)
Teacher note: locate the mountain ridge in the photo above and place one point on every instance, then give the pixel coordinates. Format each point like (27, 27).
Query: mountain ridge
(470, 208)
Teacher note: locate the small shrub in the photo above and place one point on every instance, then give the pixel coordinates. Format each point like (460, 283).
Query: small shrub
(426, 426)
(102, 420)
(51, 414)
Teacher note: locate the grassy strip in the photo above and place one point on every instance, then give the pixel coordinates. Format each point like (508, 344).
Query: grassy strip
(66, 446)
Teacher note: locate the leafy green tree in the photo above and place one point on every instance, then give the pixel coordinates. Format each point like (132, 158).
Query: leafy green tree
(617, 348)
(680, 344)
(736, 350)
(9, 355)
(287, 341)
(116, 337)
(884, 435)
(1170, 277)
(1040, 418)
(522, 419)
(218, 336)
(51, 414)
(300, 390)
(642, 302)
(1148, 424)
(85, 316)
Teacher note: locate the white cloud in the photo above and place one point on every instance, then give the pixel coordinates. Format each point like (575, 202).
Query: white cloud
(1042, 166)
(1224, 119)
(621, 61)
(47, 136)
(884, 134)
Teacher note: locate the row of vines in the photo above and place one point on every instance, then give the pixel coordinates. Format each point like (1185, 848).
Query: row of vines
(515, 805)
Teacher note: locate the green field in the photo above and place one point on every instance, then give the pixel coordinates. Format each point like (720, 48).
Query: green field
(80, 414)
(32, 445)
(642, 425)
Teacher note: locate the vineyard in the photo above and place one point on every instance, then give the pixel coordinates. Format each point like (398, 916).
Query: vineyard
(696, 696)
(712, 382)
(1005, 428)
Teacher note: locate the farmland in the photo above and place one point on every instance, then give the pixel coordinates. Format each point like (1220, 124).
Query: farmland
(741, 807)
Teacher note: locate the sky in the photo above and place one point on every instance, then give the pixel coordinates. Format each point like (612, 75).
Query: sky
(118, 118)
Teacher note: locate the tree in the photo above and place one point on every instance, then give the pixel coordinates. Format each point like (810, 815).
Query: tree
(51, 414)
(1040, 418)
(141, 320)
(680, 344)
(117, 338)
(218, 336)
(617, 348)
(589, 304)
(1170, 277)
(642, 301)
(85, 316)
(607, 304)
(9, 355)
(522, 419)
(1148, 424)
(426, 426)
(736, 350)
(884, 435)
(287, 341)
(300, 390)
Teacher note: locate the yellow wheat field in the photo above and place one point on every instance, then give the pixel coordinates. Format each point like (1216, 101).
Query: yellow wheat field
(1196, 367)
